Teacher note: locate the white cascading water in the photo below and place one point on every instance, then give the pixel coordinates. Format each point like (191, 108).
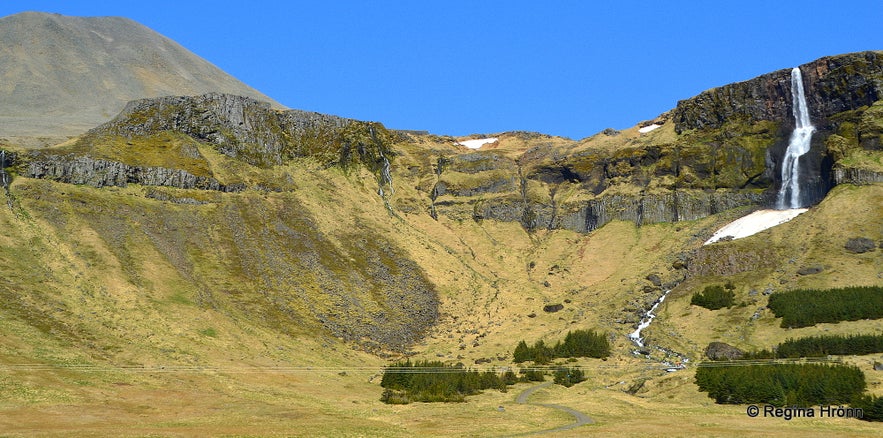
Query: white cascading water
(635, 336)
(789, 193)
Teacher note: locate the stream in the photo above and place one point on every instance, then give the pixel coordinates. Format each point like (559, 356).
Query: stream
(638, 340)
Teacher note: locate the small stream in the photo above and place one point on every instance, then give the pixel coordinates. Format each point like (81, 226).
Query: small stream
(635, 336)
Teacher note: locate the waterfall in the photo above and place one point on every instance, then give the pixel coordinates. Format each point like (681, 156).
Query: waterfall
(385, 177)
(789, 193)
(4, 177)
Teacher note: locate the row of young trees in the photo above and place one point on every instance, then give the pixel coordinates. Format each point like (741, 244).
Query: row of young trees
(821, 346)
(782, 385)
(806, 307)
(578, 343)
(433, 381)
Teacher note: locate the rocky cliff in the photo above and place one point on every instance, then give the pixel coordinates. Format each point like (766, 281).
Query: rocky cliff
(253, 132)
(156, 142)
(99, 173)
(719, 150)
(833, 85)
(725, 151)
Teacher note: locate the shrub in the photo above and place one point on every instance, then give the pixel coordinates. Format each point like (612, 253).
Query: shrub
(568, 376)
(532, 375)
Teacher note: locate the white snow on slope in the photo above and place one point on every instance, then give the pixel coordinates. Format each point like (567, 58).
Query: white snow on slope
(755, 223)
(648, 128)
(477, 143)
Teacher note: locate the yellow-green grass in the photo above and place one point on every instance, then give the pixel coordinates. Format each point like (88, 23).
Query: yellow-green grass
(81, 288)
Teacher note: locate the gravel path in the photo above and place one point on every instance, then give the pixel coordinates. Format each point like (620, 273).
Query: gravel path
(581, 418)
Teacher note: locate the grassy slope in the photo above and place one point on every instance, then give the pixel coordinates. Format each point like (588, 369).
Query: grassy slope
(79, 288)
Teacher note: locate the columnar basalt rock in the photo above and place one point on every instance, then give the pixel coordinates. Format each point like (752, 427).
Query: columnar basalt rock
(101, 173)
(833, 84)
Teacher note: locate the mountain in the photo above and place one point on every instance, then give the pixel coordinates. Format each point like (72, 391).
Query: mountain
(209, 265)
(62, 75)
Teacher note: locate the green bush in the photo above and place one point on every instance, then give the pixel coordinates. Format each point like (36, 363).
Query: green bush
(568, 376)
(714, 297)
(532, 376)
(806, 307)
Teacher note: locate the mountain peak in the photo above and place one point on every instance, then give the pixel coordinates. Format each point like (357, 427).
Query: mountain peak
(62, 75)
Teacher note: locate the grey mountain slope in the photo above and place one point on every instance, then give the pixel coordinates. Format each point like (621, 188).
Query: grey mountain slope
(61, 75)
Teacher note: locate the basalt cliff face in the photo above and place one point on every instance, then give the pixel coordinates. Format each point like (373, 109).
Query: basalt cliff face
(725, 152)
(833, 85)
(719, 150)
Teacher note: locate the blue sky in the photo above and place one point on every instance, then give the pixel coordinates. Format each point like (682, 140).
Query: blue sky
(460, 67)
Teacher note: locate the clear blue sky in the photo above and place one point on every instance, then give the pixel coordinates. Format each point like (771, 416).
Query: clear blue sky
(460, 67)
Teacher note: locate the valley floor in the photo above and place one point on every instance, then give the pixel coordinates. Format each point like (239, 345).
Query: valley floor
(286, 401)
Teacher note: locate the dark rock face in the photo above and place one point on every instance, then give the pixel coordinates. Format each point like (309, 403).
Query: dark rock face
(723, 351)
(855, 176)
(833, 84)
(705, 179)
(100, 173)
(585, 217)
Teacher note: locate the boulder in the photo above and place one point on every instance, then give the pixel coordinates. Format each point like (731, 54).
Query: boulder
(723, 351)
(859, 245)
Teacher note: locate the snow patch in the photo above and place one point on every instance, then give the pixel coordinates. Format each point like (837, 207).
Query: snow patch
(477, 143)
(648, 128)
(754, 223)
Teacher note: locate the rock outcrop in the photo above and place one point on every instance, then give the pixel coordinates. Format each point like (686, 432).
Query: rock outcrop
(857, 176)
(249, 130)
(100, 173)
(833, 84)
(723, 351)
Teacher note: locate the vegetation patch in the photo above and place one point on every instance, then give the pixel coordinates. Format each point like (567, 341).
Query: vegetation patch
(782, 384)
(569, 376)
(715, 297)
(428, 381)
(871, 406)
(821, 346)
(578, 343)
(807, 307)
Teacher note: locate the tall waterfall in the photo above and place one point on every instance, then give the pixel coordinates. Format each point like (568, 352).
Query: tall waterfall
(789, 193)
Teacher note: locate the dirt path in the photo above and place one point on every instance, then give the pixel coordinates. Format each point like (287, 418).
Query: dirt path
(581, 418)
